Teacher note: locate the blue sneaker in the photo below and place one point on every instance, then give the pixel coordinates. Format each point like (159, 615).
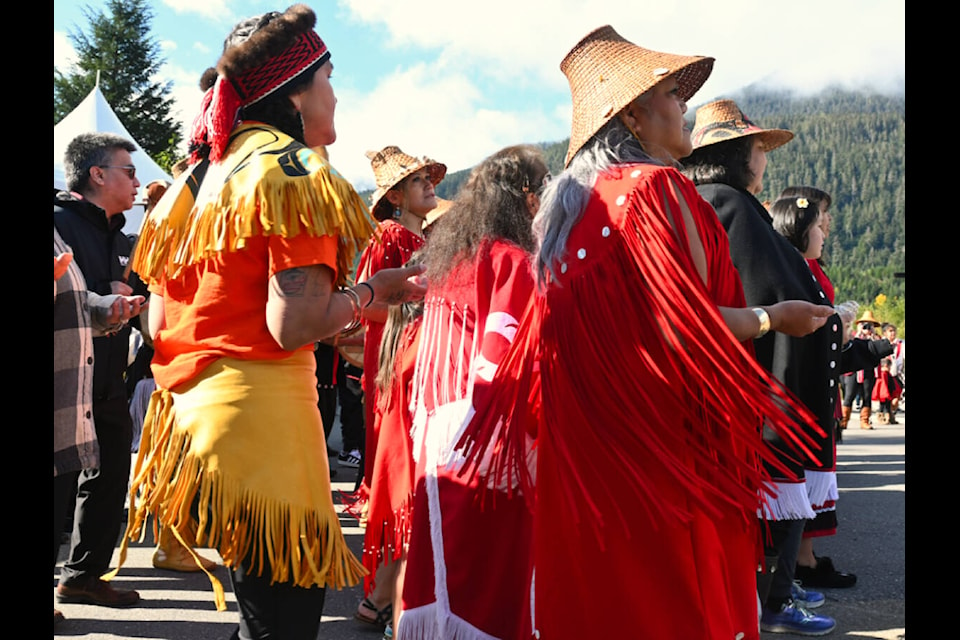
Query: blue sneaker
(792, 618)
(806, 598)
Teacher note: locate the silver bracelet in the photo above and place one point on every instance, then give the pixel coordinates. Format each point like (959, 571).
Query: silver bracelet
(354, 299)
(764, 319)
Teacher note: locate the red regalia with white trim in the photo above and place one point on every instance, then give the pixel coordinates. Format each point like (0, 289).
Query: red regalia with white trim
(469, 563)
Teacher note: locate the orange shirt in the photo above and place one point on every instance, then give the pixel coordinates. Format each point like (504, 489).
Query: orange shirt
(217, 308)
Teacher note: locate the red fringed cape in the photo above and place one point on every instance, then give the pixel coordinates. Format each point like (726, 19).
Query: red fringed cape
(391, 490)
(649, 444)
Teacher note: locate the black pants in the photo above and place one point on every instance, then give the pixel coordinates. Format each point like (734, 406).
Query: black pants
(326, 358)
(785, 537)
(101, 493)
(64, 487)
(851, 388)
(279, 611)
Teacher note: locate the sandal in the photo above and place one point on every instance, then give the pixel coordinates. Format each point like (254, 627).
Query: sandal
(380, 618)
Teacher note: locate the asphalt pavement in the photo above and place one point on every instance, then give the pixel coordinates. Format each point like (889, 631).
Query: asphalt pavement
(870, 543)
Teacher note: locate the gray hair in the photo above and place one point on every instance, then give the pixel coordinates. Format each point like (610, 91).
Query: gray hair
(89, 150)
(567, 195)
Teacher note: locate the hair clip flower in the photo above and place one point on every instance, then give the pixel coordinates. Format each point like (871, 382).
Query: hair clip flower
(803, 203)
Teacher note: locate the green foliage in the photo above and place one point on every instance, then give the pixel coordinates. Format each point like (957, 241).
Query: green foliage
(891, 310)
(851, 145)
(118, 45)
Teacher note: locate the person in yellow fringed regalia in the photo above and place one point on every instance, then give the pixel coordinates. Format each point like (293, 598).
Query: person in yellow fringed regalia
(247, 256)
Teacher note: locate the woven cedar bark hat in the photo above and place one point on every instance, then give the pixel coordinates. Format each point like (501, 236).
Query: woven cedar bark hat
(722, 120)
(606, 73)
(868, 317)
(391, 165)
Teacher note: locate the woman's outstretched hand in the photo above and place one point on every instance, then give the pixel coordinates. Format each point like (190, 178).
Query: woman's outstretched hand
(395, 286)
(797, 317)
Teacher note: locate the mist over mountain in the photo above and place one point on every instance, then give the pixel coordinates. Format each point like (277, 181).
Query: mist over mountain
(848, 143)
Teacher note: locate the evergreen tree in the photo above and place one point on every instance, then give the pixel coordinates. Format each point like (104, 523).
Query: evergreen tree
(117, 44)
(852, 145)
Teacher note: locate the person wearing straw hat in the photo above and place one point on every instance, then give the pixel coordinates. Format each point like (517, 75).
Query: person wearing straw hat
(859, 384)
(727, 165)
(401, 202)
(248, 256)
(646, 486)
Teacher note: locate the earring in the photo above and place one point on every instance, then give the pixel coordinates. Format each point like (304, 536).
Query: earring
(397, 213)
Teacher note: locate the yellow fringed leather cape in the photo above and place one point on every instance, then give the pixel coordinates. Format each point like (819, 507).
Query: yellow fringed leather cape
(266, 184)
(270, 501)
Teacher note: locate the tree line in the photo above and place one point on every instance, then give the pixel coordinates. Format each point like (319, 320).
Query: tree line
(851, 144)
(848, 143)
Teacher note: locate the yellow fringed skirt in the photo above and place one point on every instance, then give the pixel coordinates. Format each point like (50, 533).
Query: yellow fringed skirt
(246, 438)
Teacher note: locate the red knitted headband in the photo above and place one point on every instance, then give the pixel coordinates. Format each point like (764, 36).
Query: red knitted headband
(259, 82)
(222, 102)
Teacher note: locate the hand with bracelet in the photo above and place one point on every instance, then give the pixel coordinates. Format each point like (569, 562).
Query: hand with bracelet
(304, 306)
(793, 317)
(386, 287)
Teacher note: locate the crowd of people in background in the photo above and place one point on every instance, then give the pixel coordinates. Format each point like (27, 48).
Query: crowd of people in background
(503, 469)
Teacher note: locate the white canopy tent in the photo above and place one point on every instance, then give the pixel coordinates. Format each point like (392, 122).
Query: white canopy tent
(94, 114)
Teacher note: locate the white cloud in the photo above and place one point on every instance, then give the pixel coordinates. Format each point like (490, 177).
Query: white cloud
(186, 95)
(64, 56)
(458, 80)
(818, 43)
(427, 111)
(214, 9)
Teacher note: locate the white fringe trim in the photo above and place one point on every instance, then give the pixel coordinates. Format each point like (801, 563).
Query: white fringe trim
(791, 503)
(430, 623)
(821, 487)
(533, 604)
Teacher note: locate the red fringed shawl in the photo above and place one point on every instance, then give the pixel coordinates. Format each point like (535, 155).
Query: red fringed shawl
(649, 439)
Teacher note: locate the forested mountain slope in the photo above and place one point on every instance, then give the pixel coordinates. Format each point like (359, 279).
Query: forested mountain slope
(847, 143)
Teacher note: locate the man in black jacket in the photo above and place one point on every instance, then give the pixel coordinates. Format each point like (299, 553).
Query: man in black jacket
(102, 181)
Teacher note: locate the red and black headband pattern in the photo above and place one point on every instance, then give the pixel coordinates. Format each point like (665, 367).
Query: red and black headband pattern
(259, 82)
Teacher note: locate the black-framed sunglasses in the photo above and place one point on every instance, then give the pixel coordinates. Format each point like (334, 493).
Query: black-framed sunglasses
(129, 168)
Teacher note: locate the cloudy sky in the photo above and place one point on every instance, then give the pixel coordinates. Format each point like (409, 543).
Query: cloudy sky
(458, 80)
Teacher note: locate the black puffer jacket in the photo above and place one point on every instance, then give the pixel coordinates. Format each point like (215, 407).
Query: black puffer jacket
(102, 251)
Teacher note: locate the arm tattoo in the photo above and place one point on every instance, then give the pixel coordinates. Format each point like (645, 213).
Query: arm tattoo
(292, 283)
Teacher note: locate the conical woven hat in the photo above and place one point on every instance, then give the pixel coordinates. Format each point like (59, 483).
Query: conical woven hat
(391, 165)
(868, 317)
(722, 120)
(606, 73)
